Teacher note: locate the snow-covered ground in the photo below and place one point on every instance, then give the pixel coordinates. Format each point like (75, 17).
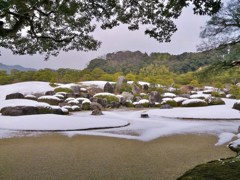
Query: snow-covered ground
(24, 88)
(161, 122)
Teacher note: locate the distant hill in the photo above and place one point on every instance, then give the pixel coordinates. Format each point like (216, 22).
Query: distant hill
(127, 61)
(8, 68)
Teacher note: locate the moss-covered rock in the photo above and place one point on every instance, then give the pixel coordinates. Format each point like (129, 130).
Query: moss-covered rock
(215, 101)
(66, 90)
(194, 103)
(223, 169)
(237, 105)
(52, 100)
(108, 96)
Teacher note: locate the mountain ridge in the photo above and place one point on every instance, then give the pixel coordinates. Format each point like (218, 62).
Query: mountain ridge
(8, 68)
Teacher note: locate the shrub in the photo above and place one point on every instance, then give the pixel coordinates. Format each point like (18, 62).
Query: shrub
(217, 94)
(109, 97)
(235, 91)
(60, 89)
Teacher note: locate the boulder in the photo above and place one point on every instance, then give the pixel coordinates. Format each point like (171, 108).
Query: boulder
(15, 96)
(76, 89)
(94, 90)
(166, 106)
(186, 89)
(194, 103)
(237, 105)
(28, 110)
(31, 97)
(86, 106)
(95, 105)
(50, 93)
(108, 88)
(135, 89)
(215, 101)
(52, 100)
(144, 115)
(19, 110)
(235, 146)
(145, 87)
(97, 112)
(120, 82)
(154, 96)
(127, 96)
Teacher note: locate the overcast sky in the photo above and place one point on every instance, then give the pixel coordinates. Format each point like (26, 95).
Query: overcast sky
(119, 39)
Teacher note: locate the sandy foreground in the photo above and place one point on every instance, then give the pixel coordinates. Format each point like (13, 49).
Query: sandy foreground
(55, 156)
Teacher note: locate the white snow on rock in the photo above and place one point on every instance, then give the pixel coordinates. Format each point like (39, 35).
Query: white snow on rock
(49, 97)
(192, 101)
(30, 96)
(86, 101)
(22, 102)
(142, 101)
(30, 87)
(170, 95)
(235, 143)
(69, 99)
(74, 101)
(200, 96)
(104, 94)
(179, 99)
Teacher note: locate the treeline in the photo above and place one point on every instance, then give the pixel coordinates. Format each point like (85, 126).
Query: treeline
(127, 61)
(152, 73)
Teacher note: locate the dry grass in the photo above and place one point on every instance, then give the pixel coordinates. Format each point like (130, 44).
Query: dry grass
(88, 157)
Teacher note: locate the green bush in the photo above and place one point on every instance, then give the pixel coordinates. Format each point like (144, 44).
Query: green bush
(217, 94)
(171, 103)
(235, 91)
(60, 89)
(109, 98)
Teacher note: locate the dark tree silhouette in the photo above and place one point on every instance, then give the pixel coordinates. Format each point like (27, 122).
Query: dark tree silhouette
(49, 26)
(222, 32)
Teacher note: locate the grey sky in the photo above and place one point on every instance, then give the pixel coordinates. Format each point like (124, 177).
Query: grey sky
(119, 39)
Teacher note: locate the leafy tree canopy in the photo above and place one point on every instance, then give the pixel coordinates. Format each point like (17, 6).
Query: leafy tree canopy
(223, 30)
(49, 26)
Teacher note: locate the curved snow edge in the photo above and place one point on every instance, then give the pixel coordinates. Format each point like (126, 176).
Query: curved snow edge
(67, 130)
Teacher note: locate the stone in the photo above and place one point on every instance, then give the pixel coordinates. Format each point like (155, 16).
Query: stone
(50, 93)
(108, 88)
(94, 90)
(166, 106)
(121, 80)
(154, 96)
(144, 115)
(76, 89)
(95, 105)
(52, 100)
(194, 103)
(135, 89)
(19, 110)
(237, 105)
(97, 112)
(127, 96)
(145, 87)
(15, 96)
(215, 101)
(28, 110)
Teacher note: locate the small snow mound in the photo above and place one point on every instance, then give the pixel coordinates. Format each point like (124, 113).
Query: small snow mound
(224, 138)
(104, 94)
(170, 95)
(192, 101)
(49, 97)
